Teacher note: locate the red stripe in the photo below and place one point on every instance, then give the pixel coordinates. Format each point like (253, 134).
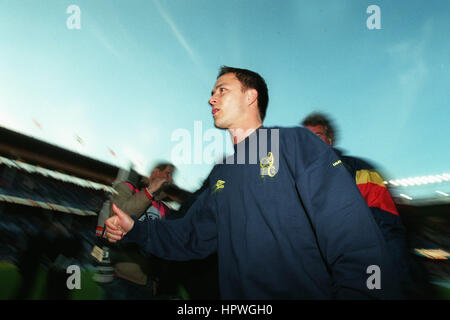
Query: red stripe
(377, 196)
(99, 231)
(148, 195)
(160, 207)
(132, 187)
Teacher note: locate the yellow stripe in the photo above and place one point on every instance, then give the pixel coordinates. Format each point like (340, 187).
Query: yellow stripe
(336, 163)
(366, 176)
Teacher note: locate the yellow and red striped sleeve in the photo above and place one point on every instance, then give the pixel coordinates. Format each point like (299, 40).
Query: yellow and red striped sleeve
(374, 191)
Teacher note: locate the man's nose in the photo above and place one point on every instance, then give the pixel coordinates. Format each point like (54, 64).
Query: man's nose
(212, 101)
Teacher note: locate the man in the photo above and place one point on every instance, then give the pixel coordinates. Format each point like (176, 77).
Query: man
(135, 273)
(283, 214)
(133, 201)
(371, 185)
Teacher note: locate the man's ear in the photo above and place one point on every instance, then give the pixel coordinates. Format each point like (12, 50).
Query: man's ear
(252, 96)
(330, 141)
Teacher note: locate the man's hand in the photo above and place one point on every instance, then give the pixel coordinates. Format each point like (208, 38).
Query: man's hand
(117, 226)
(156, 183)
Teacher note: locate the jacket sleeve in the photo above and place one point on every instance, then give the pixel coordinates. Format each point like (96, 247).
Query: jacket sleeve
(377, 196)
(371, 185)
(347, 235)
(374, 191)
(132, 204)
(192, 237)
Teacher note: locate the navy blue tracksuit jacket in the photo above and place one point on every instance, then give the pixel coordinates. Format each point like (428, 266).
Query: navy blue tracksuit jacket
(287, 222)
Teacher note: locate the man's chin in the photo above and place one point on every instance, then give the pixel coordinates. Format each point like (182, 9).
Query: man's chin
(219, 125)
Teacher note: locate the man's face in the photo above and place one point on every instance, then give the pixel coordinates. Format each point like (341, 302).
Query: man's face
(166, 173)
(321, 132)
(228, 102)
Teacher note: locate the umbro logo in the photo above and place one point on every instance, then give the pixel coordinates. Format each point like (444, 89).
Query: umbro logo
(220, 184)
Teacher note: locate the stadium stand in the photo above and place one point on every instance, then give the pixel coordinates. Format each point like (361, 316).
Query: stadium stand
(49, 202)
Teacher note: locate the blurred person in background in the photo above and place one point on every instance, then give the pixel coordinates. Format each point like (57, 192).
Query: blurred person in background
(372, 188)
(136, 274)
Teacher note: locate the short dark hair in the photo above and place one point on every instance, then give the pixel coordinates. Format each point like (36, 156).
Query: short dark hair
(320, 119)
(250, 80)
(163, 165)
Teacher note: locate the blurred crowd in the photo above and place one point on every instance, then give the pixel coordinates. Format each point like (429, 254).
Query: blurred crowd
(36, 249)
(38, 245)
(22, 184)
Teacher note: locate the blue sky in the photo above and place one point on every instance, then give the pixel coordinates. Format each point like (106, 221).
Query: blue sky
(138, 71)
